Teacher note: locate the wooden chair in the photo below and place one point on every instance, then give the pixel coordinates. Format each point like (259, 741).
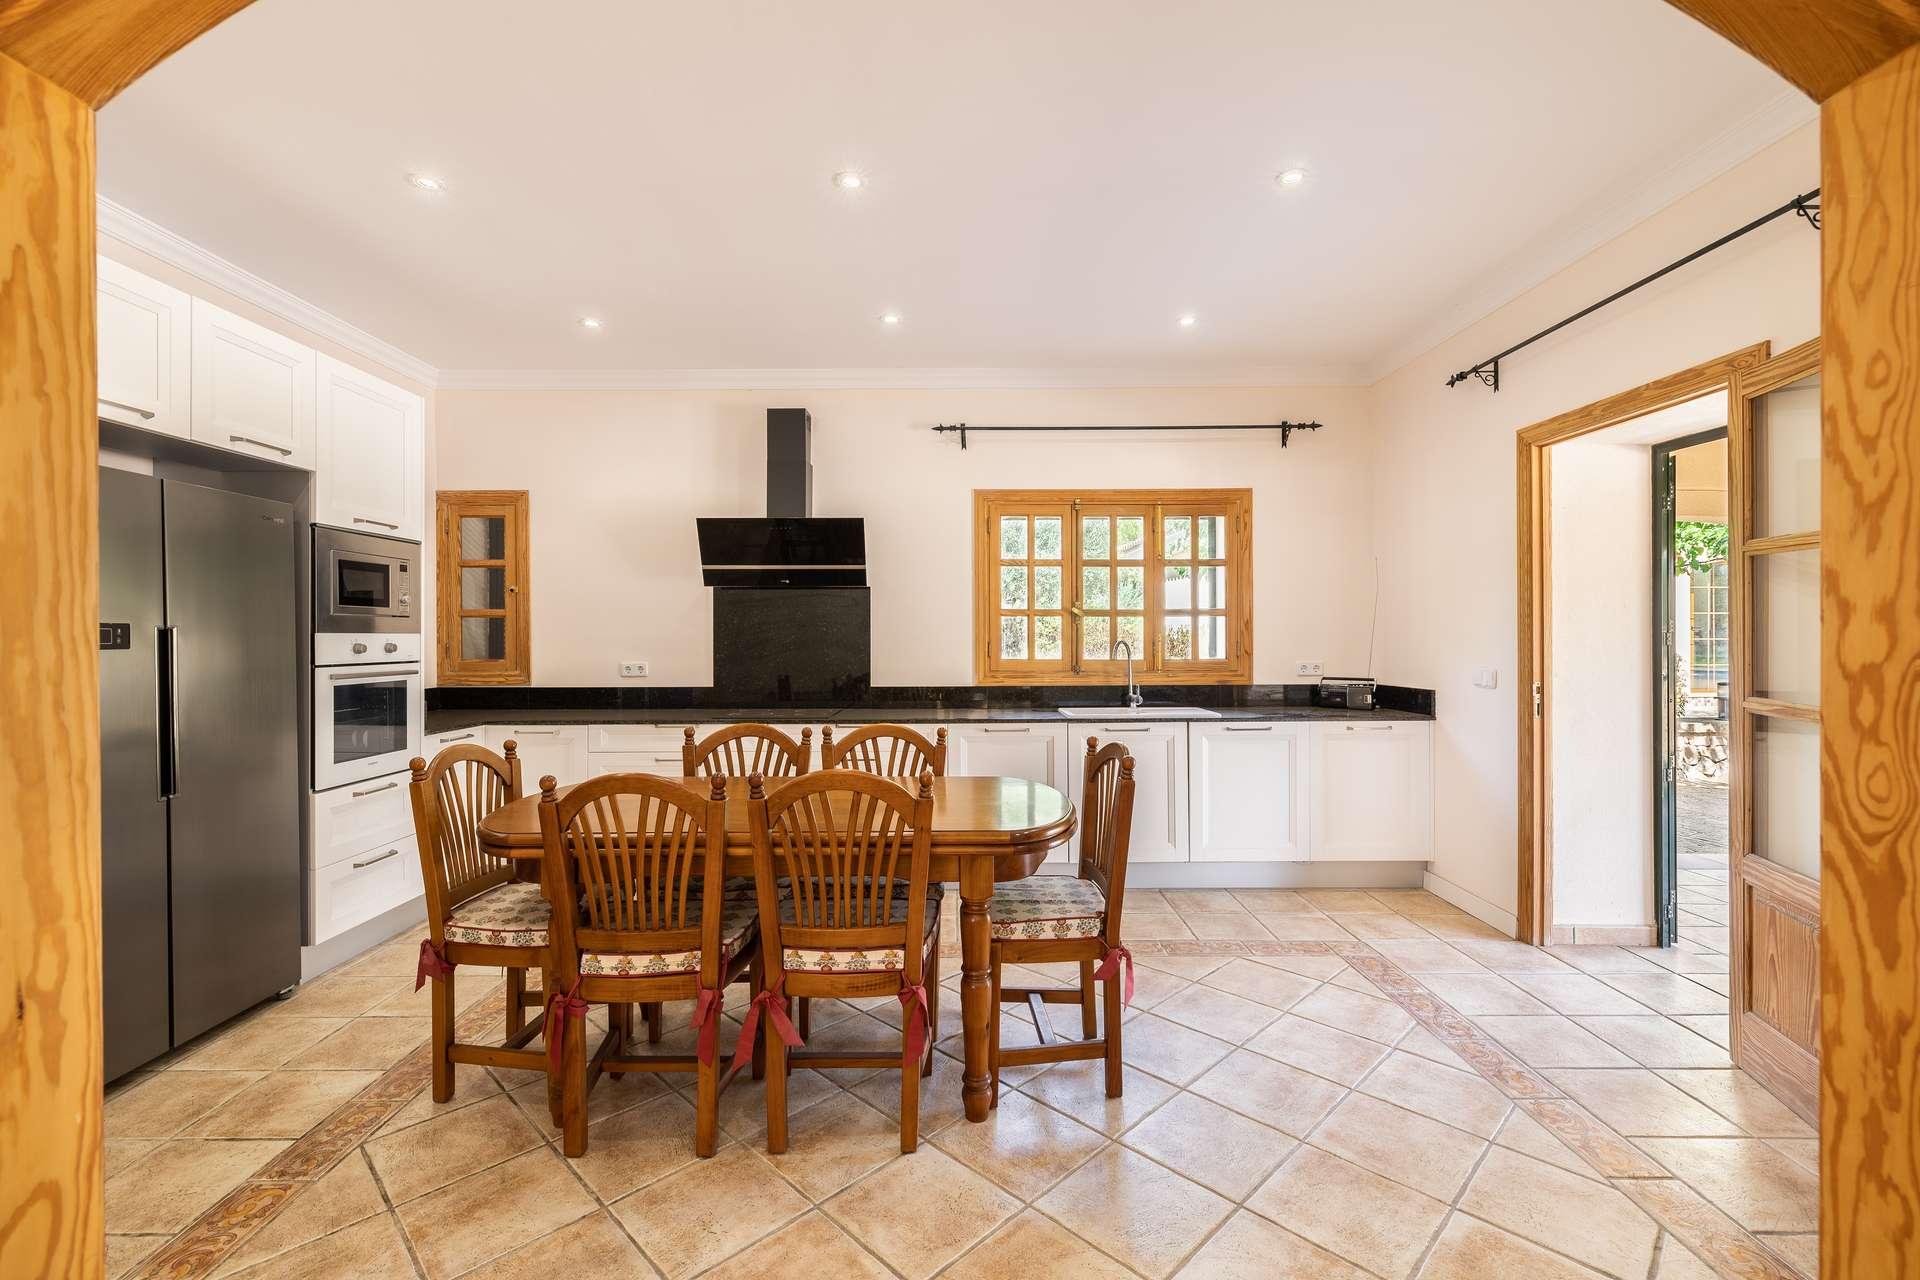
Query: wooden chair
(746, 749)
(1050, 919)
(645, 859)
(840, 864)
(885, 750)
(477, 913)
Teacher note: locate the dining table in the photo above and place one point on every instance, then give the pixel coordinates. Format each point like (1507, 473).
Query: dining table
(986, 830)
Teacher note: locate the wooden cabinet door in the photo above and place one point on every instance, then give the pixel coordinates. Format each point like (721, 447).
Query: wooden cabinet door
(1036, 752)
(1372, 791)
(1774, 814)
(1249, 792)
(370, 454)
(1159, 754)
(145, 350)
(252, 388)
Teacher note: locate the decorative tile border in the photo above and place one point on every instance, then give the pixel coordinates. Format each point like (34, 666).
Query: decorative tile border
(1715, 1239)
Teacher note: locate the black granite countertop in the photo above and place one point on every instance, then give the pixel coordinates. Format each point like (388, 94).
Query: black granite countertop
(447, 721)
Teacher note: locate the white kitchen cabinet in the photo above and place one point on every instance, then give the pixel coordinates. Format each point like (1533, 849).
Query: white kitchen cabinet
(1036, 752)
(145, 346)
(1159, 754)
(434, 743)
(355, 889)
(559, 750)
(653, 738)
(1249, 792)
(1372, 791)
(661, 762)
(369, 453)
(348, 821)
(253, 389)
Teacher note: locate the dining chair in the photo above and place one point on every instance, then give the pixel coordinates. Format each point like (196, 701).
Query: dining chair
(886, 750)
(840, 863)
(1054, 919)
(477, 912)
(657, 919)
(745, 749)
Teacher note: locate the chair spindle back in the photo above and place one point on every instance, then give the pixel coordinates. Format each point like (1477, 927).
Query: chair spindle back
(886, 751)
(746, 749)
(450, 796)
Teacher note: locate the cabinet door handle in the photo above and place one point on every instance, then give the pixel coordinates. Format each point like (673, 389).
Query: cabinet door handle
(1248, 728)
(391, 853)
(1135, 727)
(1369, 728)
(260, 444)
(384, 524)
(458, 737)
(534, 733)
(374, 791)
(1025, 728)
(130, 408)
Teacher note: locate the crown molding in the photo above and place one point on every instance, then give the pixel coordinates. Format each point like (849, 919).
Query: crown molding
(1573, 239)
(885, 379)
(130, 228)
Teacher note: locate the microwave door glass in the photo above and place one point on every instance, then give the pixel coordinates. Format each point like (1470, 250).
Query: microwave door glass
(364, 584)
(369, 719)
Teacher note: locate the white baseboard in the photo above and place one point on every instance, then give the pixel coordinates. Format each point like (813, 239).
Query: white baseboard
(1274, 875)
(1474, 905)
(340, 948)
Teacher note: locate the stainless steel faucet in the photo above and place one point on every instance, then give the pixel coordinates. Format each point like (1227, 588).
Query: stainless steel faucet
(1133, 690)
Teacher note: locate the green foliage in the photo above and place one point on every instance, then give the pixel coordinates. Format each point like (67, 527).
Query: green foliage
(1697, 544)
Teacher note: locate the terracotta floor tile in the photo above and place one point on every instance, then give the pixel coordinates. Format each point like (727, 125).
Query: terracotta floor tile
(1472, 1250)
(1427, 957)
(1320, 1049)
(1349, 1211)
(1331, 900)
(118, 1153)
(1654, 1041)
(1275, 988)
(1524, 1134)
(469, 988)
(1593, 960)
(1356, 1014)
(1350, 980)
(1317, 967)
(1272, 901)
(1481, 993)
(1033, 1248)
(1710, 1026)
(1225, 924)
(1461, 925)
(1803, 1151)
(593, 1246)
(428, 1156)
(1289, 1099)
(1149, 926)
(811, 1246)
(1682, 959)
(1221, 1150)
(166, 1102)
(1576, 994)
(1145, 1215)
(1429, 1046)
(1080, 1090)
(471, 1085)
(1668, 992)
(169, 1187)
(1553, 1041)
(1151, 985)
(1639, 1103)
(708, 1211)
(1755, 1184)
(1368, 925)
(941, 1100)
(1249, 1247)
(1220, 1014)
(340, 995)
(259, 1044)
(1677, 1262)
(344, 1195)
(835, 1142)
(921, 1211)
(285, 1104)
(637, 1146)
(1414, 1151)
(612, 1095)
(1022, 1146)
(369, 1250)
(1166, 1049)
(1301, 927)
(1195, 901)
(365, 1044)
(1414, 902)
(493, 1212)
(1801, 1252)
(1191, 967)
(1743, 1100)
(1511, 957)
(1575, 1216)
(1458, 1098)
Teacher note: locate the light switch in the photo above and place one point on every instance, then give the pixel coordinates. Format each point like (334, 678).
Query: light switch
(1486, 678)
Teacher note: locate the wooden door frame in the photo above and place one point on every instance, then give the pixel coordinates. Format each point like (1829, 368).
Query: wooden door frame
(1534, 591)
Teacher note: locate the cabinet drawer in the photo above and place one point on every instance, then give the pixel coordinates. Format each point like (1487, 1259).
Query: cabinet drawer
(349, 820)
(665, 764)
(434, 743)
(356, 889)
(650, 738)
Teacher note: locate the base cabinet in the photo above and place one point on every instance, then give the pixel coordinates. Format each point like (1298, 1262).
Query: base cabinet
(1036, 752)
(543, 750)
(1372, 791)
(1159, 754)
(1249, 792)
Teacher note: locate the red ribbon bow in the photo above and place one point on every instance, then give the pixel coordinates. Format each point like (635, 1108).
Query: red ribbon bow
(913, 1003)
(775, 1004)
(706, 1020)
(1110, 964)
(433, 964)
(560, 1007)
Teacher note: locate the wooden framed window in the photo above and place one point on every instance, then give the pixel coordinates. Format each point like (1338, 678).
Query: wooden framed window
(482, 577)
(1064, 578)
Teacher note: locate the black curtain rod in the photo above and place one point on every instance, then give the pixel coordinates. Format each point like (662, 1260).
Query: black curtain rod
(1488, 370)
(1286, 429)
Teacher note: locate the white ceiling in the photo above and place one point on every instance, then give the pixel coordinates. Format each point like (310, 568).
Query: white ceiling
(1051, 185)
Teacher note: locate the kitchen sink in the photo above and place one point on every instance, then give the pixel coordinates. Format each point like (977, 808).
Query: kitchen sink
(1139, 713)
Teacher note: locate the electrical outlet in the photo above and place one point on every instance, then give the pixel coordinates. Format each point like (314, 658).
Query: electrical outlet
(1309, 668)
(634, 670)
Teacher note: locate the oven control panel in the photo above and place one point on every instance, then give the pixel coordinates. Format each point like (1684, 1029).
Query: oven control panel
(360, 648)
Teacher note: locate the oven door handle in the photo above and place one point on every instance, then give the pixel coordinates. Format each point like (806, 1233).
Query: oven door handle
(373, 673)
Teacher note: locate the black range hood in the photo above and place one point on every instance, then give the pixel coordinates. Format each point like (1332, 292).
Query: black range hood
(790, 547)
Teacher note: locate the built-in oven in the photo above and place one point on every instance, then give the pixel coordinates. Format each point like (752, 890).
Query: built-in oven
(367, 704)
(363, 582)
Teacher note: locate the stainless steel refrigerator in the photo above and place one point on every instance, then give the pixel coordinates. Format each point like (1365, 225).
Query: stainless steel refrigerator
(199, 759)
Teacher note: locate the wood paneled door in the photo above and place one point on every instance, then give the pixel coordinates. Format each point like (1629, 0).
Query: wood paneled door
(1774, 874)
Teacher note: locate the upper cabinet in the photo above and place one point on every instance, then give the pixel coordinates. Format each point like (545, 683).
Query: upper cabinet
(370, 451)
(1372, 791)
(145, 350)
(253, 389)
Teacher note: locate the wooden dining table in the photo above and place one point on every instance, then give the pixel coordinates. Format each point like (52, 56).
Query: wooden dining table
(985, 831)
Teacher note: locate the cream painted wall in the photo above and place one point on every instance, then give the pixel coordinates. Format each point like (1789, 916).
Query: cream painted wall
(616, 479)
(1603, 729)
(1443, 477)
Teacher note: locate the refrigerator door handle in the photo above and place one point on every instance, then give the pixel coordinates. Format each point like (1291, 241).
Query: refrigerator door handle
(168, 735)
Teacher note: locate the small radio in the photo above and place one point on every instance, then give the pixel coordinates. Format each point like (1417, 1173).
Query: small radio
(1355, 693)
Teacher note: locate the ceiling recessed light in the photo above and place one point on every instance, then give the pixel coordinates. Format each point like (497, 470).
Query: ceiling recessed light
(1189, 320)
(890, 317)
(1290, 177)
(427, 182)
(849, 180)
(592, 322)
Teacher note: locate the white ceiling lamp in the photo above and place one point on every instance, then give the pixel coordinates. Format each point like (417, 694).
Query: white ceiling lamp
(427, 182)
(592, 323)
(1290, 178)
(890, 318)
(849, 180)
(1189, 320)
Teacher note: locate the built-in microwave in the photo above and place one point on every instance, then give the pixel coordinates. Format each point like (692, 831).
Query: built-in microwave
(363, 582)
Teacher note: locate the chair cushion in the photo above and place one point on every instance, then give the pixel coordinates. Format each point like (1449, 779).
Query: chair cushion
(888, 959)
(1047, 907)
(508, 915)
(738, 917)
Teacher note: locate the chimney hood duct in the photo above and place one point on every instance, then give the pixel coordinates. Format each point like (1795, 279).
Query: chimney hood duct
(790, 547)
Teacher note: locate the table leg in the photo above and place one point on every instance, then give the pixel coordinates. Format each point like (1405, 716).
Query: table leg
(976, 997)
